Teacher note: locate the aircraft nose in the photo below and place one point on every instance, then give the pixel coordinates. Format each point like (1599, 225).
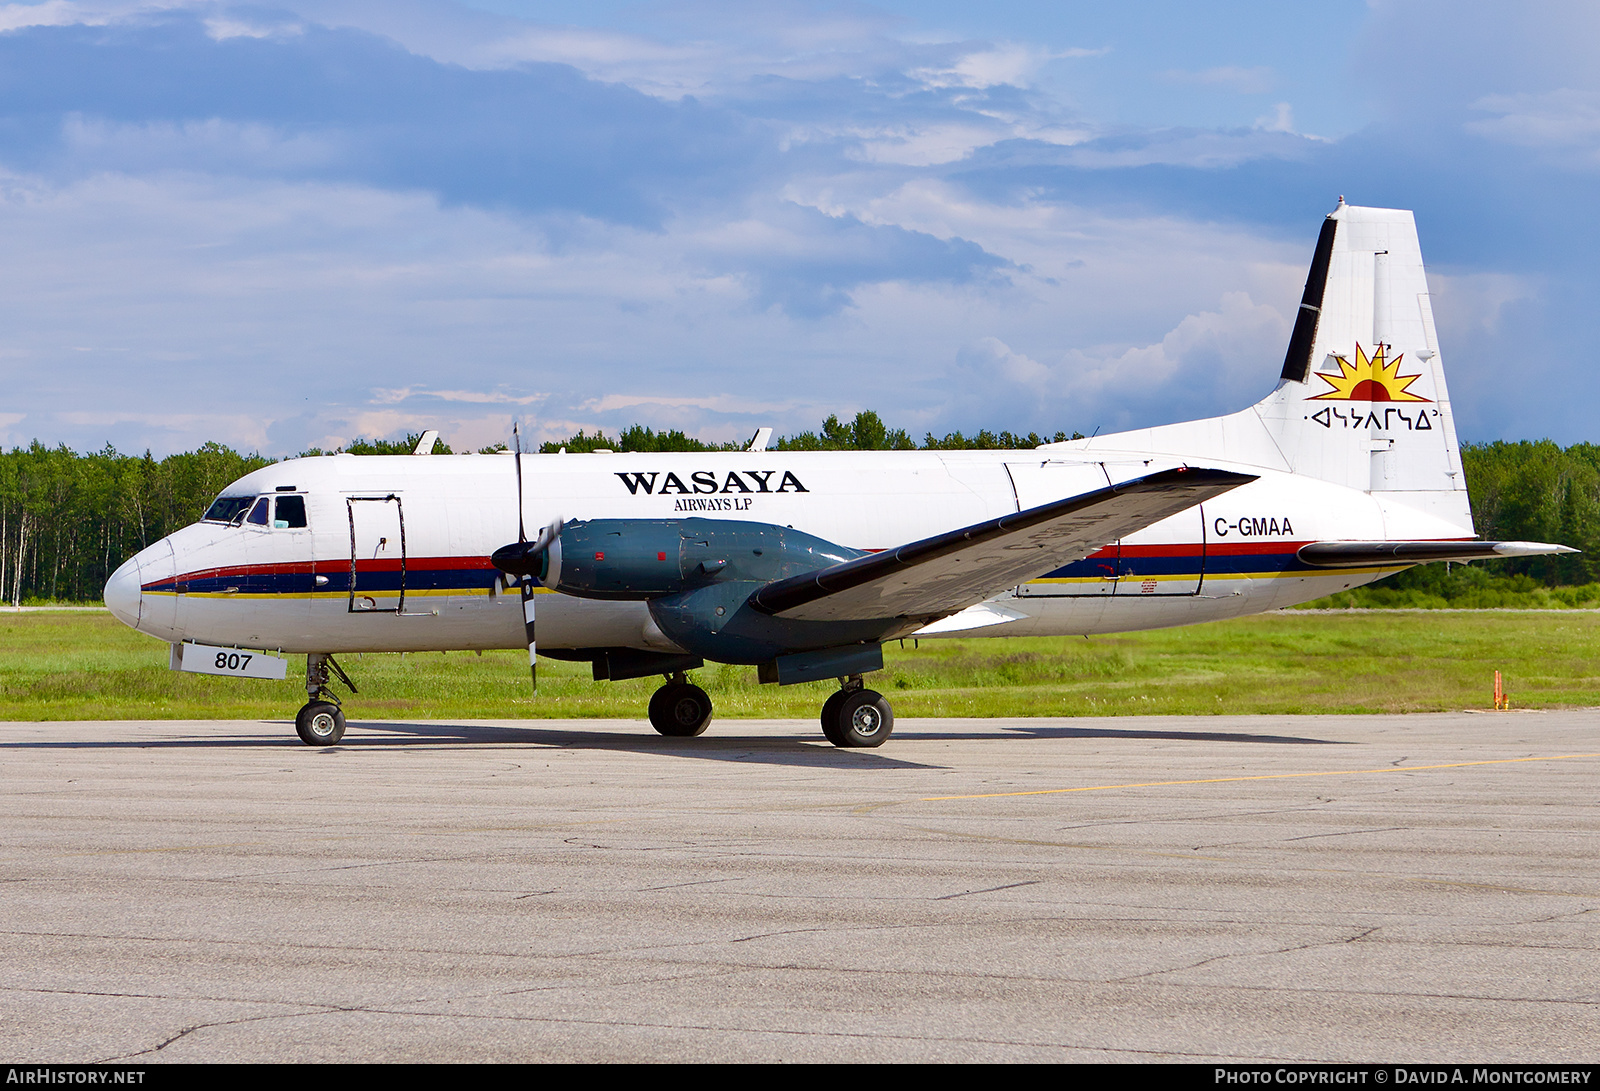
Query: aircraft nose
(122, 593)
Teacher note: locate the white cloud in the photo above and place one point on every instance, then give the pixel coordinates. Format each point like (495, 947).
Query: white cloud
(163, 430)
(212, 144)
(1565, 120)
(925, 142)
(1471, 305)
(1245, 81)
(1281, 120)
(176, 274)
(55, 13)
(1202, 149)
(1226, 348)
(1006, 63)
(927, 145)
(9, 436)
(221, 28)
(719, 403)
(1211, 362)
(696, 50)
(382, 396)
(990, 359)
(331, 311)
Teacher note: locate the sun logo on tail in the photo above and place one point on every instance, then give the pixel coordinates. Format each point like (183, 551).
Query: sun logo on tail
(1374, 380)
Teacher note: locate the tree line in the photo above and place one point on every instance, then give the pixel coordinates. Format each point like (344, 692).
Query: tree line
(67, 520)
(866, 432)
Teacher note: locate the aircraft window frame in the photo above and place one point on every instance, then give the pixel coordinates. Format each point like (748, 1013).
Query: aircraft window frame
(263, 507)
(297, 505)
(228, 515)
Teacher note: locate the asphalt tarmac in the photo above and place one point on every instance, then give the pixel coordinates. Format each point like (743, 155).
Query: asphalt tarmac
(1325, 888)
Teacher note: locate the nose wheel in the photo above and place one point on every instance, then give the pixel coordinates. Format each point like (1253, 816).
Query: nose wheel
(680, 709)
(320, 722)
(857, 717)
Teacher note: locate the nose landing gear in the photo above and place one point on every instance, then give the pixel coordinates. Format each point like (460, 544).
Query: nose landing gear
(321, 722)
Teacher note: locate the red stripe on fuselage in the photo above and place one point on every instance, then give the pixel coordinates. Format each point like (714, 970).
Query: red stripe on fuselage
(335, 564)
(1246, 549)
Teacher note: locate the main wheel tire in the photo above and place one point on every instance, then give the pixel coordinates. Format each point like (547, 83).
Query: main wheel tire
(319, 723)
(680, 710)
(863, 718)
(830, 717)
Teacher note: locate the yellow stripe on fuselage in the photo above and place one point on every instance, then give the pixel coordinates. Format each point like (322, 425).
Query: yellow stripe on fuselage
(1192, 577)
(427, 592)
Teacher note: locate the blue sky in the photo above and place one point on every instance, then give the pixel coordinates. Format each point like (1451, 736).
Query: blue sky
(288, 224)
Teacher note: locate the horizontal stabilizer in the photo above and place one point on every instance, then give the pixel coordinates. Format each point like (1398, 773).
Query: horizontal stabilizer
(1361, 554)
(947, 573)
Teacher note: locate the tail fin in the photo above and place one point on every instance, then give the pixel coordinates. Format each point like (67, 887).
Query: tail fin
(1362, 400)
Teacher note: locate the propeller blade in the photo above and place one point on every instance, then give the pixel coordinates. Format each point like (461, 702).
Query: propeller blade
(528, 584)
(547, 535)
(516, 440)
(522, 560)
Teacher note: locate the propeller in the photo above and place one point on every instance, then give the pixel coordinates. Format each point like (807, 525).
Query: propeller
(526, 561)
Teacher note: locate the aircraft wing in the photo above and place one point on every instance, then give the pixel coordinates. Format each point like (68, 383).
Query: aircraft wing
(947, 573)
(1362, 554)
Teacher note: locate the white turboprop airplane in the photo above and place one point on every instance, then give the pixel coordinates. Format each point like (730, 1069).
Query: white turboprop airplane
(804, 564)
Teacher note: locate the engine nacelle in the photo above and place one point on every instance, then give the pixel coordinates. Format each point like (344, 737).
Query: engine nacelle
(647, 558)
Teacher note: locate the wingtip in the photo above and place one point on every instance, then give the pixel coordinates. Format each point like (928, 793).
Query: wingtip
(1531, 549)
(1193, 475)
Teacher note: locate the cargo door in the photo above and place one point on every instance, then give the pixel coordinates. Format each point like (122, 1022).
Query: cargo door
(1041, 481)
(1165, 559)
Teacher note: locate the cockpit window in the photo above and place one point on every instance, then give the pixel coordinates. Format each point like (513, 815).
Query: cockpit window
(226, 509)
(291, 512)
(258, 511)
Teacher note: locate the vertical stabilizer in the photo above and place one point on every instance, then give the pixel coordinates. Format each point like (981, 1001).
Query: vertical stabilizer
(1362, 400)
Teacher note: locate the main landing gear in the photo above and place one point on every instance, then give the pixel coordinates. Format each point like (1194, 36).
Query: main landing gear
(321, 721)
(680, 709)
(856, 716)
(853, 717)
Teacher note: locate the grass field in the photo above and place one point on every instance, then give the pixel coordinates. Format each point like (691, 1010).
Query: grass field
(71, 665)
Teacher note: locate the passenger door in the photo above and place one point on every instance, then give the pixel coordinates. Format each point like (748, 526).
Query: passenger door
(377, 554)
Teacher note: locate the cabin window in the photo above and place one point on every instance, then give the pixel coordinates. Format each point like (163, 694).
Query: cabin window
(291, 512)
(227, 509)
(258, 514)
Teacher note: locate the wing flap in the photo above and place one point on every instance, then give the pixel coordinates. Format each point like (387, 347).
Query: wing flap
(942, 575)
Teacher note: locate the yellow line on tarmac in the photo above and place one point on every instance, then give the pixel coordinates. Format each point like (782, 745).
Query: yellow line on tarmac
(1264, 776)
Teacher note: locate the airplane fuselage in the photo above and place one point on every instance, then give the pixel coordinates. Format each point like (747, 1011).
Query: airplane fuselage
(804, 564)
(394, 553)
